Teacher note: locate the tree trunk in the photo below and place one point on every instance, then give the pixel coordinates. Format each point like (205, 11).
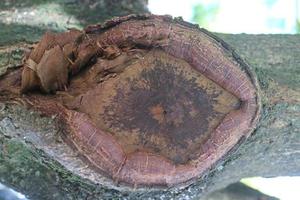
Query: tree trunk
(271, 150)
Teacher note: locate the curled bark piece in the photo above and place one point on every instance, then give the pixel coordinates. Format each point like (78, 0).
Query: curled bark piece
(162, 102)
(52, 70)
(47, 66)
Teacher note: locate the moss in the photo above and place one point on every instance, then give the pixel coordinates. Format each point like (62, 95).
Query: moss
(34, 173)
(15, 33)
(27, 170)
(11, 57)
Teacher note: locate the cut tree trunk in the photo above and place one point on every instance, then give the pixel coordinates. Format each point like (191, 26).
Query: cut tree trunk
(31, 145)
(152, 102)
(271, 150)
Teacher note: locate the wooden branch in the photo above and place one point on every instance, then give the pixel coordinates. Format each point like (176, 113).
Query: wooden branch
(274, 141)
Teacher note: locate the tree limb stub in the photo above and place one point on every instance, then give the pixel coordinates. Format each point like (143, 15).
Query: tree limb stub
(148, 101)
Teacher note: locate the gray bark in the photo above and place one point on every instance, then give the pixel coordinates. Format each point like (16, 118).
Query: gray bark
(238, 191)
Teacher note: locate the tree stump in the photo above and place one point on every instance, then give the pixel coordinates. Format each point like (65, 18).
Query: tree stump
(147, 101)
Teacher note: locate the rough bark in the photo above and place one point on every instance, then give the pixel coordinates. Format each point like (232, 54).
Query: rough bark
(238, 191)
(272, 150)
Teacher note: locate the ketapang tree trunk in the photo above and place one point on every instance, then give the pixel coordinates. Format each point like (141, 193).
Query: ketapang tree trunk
(146, 100)
(146, 106)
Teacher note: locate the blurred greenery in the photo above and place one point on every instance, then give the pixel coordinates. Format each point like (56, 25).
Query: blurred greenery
(205, 14)
(298, 26)
(270, 16)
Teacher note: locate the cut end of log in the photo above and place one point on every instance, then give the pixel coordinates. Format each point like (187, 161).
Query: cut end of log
(151, 101)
